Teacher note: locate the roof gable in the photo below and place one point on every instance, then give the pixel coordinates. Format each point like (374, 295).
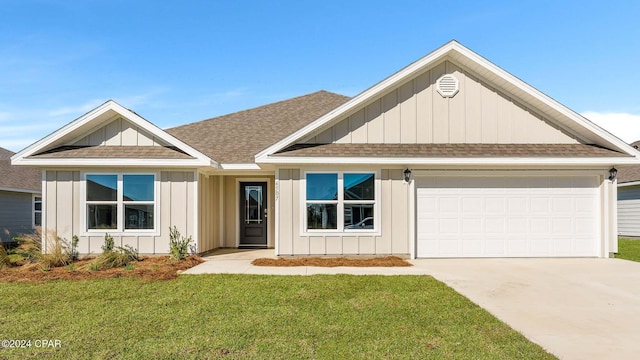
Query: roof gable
(110, 125)
(551, 122)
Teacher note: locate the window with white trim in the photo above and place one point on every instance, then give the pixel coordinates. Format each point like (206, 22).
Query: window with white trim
(120, 202)
(340, 201)
(37, 211)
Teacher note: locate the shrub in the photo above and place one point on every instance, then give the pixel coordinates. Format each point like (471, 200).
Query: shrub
(178, 245)
(4, 258)
(57, 253)
(29, 247)
(117, 257)
(108, 243)
(73, 251)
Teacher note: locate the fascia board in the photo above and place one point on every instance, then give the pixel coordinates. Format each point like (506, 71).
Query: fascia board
(360, 99)
(21, 190)
(630, 183)
(156, 131)
(20, 157)
(604, 161)
(546, 100)
(448, 49)
(63, 131)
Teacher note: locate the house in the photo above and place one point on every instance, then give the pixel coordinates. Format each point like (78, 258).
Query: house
(629, 200)
(451, 156)
(20, 198)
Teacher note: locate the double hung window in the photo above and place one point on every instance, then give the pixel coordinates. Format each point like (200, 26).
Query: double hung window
(37, 211)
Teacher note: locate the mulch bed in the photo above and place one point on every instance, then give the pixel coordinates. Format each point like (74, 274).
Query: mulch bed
(147, 268)
(387, 261)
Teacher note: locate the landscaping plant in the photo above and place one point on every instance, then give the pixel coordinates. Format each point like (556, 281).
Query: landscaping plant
(4, 258)
(114, 256)
(178, 245)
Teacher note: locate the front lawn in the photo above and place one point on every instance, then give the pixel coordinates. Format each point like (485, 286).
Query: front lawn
(244, 316)
(628, 249)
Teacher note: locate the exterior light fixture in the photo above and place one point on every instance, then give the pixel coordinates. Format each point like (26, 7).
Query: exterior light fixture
(407, 175)
(613, 172)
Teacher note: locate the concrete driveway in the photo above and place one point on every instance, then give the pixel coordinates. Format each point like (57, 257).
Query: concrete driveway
(574, 308)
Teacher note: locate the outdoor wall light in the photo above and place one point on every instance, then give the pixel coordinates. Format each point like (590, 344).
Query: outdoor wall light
(407, 175)
(613, 172)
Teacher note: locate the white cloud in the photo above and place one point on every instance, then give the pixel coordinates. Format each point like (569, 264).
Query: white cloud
(623, 125)
(75, 110)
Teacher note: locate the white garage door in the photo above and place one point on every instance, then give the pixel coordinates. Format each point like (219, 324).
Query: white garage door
(507, 216)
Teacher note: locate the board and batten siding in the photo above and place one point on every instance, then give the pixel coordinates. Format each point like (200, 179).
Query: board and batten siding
(210, 215)
(629, 210)
(62, 212)
(416, 113)
(119, 132)
(16, 214)
(394, 207)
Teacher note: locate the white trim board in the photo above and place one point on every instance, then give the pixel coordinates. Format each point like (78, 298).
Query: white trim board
(91, 120)
(457, 53)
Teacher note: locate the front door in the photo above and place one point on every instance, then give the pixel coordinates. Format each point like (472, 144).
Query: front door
(253, 214)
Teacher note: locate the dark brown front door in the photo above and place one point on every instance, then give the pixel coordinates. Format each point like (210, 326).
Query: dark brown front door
(253, 214)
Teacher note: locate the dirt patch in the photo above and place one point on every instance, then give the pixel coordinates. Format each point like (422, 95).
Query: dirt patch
(147, 268)
(387, 261)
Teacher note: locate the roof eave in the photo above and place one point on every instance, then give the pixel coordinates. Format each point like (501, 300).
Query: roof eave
(28, 191)
(114, 162)
(479, 161)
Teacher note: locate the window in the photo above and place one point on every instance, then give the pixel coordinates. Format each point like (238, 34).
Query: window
(340, 201)
(120, 202)
(37, 211)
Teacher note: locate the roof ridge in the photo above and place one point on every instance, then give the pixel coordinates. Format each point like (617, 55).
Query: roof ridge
(260, 107)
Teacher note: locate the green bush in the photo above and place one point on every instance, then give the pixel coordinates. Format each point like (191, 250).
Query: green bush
(73, 251)
(178, 245)
(117, 257)
(4, 258)
(29, 247)
(108, 243)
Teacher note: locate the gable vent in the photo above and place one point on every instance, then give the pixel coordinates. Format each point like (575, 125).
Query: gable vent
(447, 85)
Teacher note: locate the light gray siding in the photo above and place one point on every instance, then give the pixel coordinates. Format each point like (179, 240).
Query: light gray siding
(120, 132)
(394, 218)
(16, 214)
(629, 210)
(63, 212)
(416, 113)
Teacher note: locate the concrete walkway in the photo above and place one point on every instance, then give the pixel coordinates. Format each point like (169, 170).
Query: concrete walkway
(574, 308)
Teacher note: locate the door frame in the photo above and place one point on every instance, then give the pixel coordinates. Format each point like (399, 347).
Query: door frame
(601, 194)
(269, 201)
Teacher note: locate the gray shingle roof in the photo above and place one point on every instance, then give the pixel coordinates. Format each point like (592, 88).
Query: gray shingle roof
(236, 138)
(448, 150)
(18, 177)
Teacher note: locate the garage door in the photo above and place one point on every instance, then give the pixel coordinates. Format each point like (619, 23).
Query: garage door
(507, 216)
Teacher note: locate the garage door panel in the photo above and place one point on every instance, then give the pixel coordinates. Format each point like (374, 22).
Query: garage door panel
(539, 204)
(512, 217)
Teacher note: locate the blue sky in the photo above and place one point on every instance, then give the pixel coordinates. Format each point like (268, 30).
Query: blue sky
(178, 62)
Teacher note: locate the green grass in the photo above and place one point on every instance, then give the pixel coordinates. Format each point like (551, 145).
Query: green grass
(268, 317)
(628, 249)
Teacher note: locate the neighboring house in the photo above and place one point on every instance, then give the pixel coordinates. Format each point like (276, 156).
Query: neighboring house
(20, 198)
(629, 199)
(449, 157)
